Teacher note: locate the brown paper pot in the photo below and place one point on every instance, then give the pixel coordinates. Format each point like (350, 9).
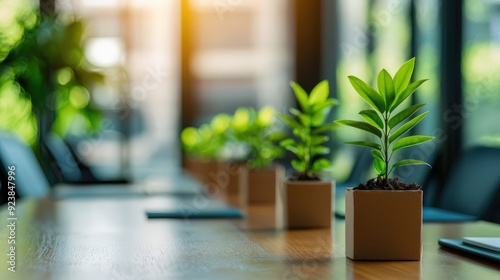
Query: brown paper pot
(383, 225)
(304, 204)
(197, 168)
(258, 186)
(217, 181)
(232, 170)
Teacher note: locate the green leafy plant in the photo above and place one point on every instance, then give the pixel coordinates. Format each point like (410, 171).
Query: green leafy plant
(207, 141)
(385, 121)
(42, 61)
(308, 125)
(257, 130)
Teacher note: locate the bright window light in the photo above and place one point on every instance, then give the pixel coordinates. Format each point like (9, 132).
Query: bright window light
(100, 3)
(104, 52)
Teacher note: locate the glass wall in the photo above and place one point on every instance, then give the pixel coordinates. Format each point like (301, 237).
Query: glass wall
(481, 72)
(427, 64)
(136, 44)
(239, 55)
(373, 34)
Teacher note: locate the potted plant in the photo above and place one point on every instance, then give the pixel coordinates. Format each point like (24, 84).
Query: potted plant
(304, 200)
(194, 159)
(384, 216)
(259, 177)
(43, 66)
(203, 148)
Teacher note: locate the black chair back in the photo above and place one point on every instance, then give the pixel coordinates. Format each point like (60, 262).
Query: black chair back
(419, 174)
(63, 164)
(473, 182)
(29, 178)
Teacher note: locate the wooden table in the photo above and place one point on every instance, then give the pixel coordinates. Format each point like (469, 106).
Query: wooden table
(112, 239)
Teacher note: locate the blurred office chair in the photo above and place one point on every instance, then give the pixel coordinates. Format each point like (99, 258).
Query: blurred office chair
(29, 178)
(473, 183)
(3, 191)
(31, 181)
(67, 168)
(492, 214)
(359, 174)
(423, 175)
(360, 170)
(419, 174)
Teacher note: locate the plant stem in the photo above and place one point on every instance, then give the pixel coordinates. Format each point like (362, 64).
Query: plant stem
(386, 146)
(307, 152)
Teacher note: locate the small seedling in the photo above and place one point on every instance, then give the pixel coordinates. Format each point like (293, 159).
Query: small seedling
(308, 125)
(386, 122)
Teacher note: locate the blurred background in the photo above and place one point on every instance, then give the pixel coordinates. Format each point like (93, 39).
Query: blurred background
(119, 79)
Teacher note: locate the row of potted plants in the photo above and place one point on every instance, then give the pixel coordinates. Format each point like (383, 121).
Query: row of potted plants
(235, 154)
(383, 216)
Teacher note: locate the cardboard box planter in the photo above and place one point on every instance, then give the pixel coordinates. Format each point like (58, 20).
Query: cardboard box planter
(198, 168)
(258, 186)
(304, 204)
(383, 225)
(223, 180)
(230, 172)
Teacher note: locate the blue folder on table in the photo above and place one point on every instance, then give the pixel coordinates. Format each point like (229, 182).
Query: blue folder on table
(210, 213)
(436, 215)
(430, 215)
(458, 244)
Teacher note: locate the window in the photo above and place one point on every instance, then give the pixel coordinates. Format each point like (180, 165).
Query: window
(481, 72)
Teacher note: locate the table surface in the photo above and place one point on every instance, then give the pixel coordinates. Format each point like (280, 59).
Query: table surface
(111, 238)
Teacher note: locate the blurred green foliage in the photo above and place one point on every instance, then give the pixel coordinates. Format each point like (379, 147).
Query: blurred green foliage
(43, 73)
(308, 126)
(207, 141)
(258, 131)
(248, 135)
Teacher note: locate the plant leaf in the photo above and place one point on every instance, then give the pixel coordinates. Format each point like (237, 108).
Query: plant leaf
(290, 122)
(361, 125)
(365, 144)
(379, 166)
(295, 112)
(265, 116)
(377, 154)
(320, 164)
(386, 87)
(292, 146)
(410, 162)
(241, 119)
(319, 118)
(298, 165)
(324, 128)
(404, 114)
(319, 150)
(320, 111)
(319, 93)
(405, 93)
(288, 142)
(372, 118)
(411, 141)
(316, 140)
(368, 94)
(406, 127)
(305, 119)
(301, 133)
(301, 96)
(275, 135)
(328, 103)
(403, 76)
(296, 149)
